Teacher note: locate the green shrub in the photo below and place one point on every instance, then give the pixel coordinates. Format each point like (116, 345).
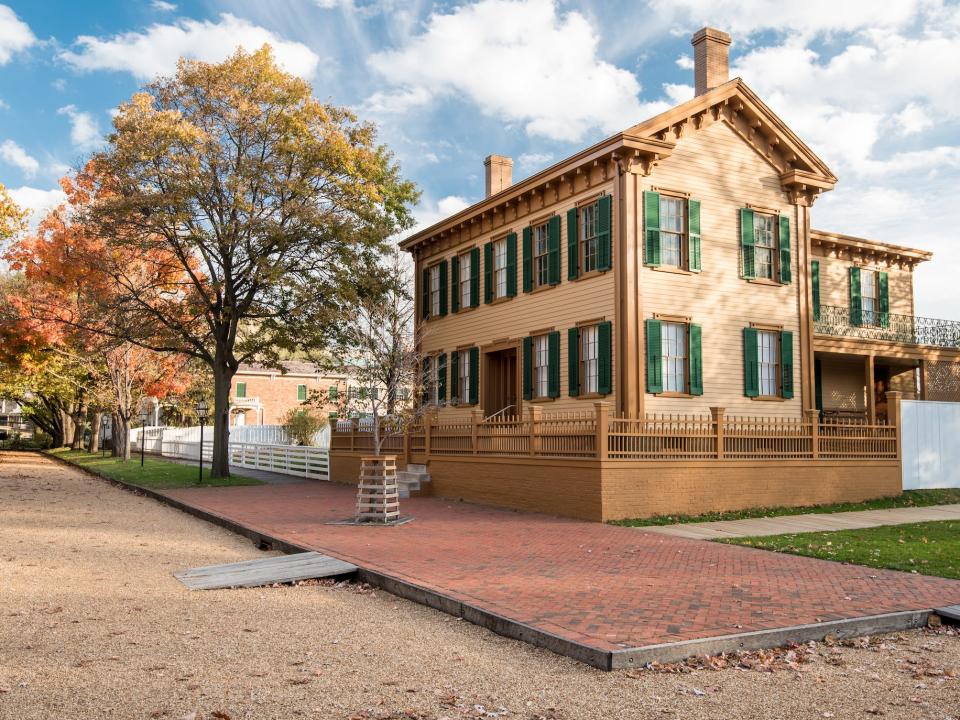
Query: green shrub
(302, 424)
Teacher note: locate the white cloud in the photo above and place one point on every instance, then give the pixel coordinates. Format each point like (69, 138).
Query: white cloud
(810, 16)
(13, 154)
(37, 202)
(156, 50)
(15, 34)
(913, 119)
(685, 62)
(163, 6)
(518, 61)
(678, 93)
(534, 160)
(428, 212)
(4, 105)
(84, 128)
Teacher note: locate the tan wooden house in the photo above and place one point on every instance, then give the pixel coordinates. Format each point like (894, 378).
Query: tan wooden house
(670, 271)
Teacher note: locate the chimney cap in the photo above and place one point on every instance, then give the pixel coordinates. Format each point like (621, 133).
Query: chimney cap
(709, 33)
(501, 159)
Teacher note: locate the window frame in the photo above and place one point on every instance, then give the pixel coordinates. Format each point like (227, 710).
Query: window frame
(587, 243)
(500, 272)
(871, 317)
(589, 336)
(540, 365)
(237, 393)
(684, 327)
(773, 248)
(540, 231)
(463, 376)
(305, 392)
(433, 272)
(683, 237)
(777, 365)
(463, 261)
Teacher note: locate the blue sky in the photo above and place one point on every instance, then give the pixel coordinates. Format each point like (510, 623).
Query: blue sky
(873, 88)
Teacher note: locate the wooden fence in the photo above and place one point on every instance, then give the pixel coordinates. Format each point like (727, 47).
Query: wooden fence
(598, 434)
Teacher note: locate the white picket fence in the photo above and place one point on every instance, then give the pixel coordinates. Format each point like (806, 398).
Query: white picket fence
(261, 447)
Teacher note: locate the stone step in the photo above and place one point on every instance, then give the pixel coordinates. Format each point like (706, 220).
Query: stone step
(411, 467)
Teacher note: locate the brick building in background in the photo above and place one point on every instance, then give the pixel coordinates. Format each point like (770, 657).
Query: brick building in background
(263, 396)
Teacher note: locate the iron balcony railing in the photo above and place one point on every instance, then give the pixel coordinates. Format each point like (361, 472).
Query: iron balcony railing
(888, 327)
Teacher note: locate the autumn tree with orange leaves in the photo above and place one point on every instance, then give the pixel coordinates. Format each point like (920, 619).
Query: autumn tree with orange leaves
(260, 212)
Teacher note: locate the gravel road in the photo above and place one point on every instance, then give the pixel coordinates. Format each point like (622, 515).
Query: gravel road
(93, 625)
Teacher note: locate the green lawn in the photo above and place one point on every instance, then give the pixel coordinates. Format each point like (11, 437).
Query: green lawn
(910, 498)
(929, 548)
(155, 473)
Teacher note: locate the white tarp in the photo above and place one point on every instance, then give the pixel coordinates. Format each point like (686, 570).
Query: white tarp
(931, 444)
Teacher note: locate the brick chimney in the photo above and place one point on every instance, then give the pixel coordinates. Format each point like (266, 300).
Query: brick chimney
(499, 173)
(711, 61)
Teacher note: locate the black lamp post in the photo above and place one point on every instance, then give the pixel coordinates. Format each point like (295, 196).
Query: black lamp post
(103, 436)
(202, 416)
(143, 434)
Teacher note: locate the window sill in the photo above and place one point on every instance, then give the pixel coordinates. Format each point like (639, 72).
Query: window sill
(672, 270)
(769, 398)
(464, 405)
(546, 399)
(675, 395)
(764, 281)
(463, 309)
(500, 300)
(589, 275)
(541, 288)
(591, 396)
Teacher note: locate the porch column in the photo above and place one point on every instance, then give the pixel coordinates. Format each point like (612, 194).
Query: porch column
(871, 394)
(923, 379)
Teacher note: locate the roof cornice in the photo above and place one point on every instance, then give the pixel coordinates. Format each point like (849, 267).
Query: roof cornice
(868, 249)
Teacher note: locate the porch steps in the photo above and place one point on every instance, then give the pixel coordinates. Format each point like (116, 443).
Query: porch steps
(412, 480)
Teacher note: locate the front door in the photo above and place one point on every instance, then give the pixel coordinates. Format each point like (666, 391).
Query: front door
(501, 382)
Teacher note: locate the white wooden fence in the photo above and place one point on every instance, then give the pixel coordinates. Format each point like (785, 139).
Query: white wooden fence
(250, 447)
(931, 453)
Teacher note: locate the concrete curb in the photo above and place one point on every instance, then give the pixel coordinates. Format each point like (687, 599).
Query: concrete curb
(588, 654)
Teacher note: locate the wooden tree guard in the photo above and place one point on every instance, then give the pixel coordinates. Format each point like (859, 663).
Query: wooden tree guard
(378, 497)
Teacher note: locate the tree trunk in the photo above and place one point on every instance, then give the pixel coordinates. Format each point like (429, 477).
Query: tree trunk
(96, 422)
(222, 378)
(114, 424)
(121, 437)
(69, 428)
(78, 416)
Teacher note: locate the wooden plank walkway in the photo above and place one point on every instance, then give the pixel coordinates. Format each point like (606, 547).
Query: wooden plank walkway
(266, 571)
(810, 522)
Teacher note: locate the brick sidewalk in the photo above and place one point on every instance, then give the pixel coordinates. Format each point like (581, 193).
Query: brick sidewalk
(606, 587)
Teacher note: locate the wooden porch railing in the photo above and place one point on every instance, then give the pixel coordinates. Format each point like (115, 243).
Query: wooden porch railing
(596, 434)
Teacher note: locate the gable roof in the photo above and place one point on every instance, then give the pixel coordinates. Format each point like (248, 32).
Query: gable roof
(802, 172)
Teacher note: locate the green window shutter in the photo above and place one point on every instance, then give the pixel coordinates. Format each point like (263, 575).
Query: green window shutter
(511, 265)
(474, 374)
(455, 376)
(654, 356)
(751, 363)
(332, 392)
(425, 380)
(573, 362)
(651, 225)
(425, 293)
(604, 232)
(884, 282)
(786, 364)
(605, 358)
(856, 303)
(693, 234)
(488, 273)
(527, 259)
(553, 364)
(241, 390)
(815, 282)
(442, 377)
(528, 368)
(747, 242)
(696, 360)
(553, 250)
(785, 275)
(301, 392)
(455, 283)
(443, 287)
(573, 245)
(475, 277)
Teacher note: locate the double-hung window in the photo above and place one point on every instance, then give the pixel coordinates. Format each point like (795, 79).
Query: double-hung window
(301, 393)
(768, 354)
(589, 237)
(869, 296)
(500, 268)
(433, 391)
(435, 291)
(463, 376)
(241, 390)
(672, 231)
(541, 366)
(541, 255)
(589, 360)
(673, 340)
(466, 272)
(765, 244)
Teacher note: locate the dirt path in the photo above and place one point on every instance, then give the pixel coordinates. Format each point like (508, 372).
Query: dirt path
(92, 625)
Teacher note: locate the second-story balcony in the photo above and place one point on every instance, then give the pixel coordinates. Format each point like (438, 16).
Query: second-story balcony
(887, 327)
